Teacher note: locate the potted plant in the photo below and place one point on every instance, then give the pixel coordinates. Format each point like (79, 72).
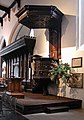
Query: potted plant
(58, 71)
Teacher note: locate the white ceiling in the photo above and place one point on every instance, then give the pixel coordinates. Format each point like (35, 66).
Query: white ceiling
(6, 3)
(67, 6)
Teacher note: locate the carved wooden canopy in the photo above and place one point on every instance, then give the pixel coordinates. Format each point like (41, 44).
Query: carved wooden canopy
(42, 16)
(37, 16)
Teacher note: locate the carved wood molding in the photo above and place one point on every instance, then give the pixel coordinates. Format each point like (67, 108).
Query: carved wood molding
(24, 43)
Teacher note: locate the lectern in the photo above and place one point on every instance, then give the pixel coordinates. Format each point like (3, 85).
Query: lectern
(15, 84)
(15, 87)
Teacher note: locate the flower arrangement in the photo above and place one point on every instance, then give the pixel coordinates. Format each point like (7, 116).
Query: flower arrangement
(58, 71)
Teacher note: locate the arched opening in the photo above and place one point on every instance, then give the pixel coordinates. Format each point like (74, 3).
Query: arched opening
(2, 62)
(4, 44)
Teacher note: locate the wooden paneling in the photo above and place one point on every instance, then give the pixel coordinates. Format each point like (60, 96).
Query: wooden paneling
(16, 55)
(14, 84)
(55, 44)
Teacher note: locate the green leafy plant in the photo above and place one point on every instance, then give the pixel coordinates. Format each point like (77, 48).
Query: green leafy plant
(58, 71)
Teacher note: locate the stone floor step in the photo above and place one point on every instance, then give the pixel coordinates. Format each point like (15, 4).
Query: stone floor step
(56, 109)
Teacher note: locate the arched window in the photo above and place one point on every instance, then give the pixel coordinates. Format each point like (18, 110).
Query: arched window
(2, 63)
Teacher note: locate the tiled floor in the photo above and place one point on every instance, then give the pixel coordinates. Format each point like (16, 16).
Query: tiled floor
(71, 115)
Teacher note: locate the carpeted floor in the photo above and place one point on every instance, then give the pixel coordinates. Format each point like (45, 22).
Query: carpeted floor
(71, 115)
(35, 103)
